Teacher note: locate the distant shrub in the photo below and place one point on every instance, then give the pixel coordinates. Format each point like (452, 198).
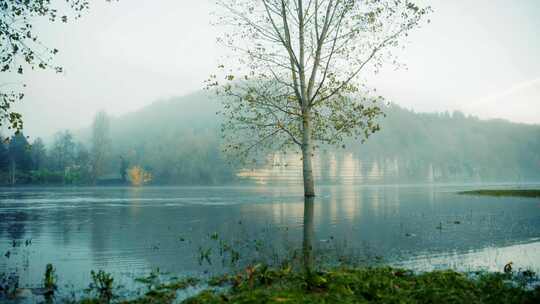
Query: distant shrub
(138, 176)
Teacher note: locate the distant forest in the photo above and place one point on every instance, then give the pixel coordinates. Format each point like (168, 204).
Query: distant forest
(178, 141)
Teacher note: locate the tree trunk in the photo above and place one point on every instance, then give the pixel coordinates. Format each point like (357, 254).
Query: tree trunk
(309, 231)
(13, 172)
(307, 151)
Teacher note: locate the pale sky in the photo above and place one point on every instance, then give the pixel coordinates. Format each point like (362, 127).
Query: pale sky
(478, 56)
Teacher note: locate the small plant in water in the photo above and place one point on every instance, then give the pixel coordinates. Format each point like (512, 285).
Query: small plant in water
(49, 282)
(9, 283)
(102, 284)
(204, 255)
(152, 280)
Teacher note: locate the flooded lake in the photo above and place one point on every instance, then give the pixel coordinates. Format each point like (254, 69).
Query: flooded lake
(129, 231)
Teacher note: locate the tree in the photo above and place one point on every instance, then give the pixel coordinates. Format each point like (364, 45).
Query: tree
(14, 119)
(296, 80)
(63, 151)
(138, 176)
(38, 154)
(21, 48)
(100, 144)
(19, 156)
(82, 156)
(124, 165)
(19, 152)
(82, 160)
(4, 156)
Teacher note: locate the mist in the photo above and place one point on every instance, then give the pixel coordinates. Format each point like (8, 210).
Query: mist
(120, 57)
(241, 151)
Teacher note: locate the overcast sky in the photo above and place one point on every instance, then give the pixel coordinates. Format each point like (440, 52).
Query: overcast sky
(478, 56)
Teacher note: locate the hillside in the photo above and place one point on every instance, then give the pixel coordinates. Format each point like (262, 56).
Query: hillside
(178, 140)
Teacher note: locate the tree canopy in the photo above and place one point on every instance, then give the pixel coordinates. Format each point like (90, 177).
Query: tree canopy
(22, 49)
(297, 78)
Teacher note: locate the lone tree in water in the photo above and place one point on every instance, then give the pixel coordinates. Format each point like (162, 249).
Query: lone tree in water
(297, 67)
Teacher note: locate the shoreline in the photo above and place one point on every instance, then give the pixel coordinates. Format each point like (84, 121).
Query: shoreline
(529, 193)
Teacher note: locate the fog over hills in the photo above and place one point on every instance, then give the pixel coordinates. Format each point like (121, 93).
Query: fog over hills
(179, 141)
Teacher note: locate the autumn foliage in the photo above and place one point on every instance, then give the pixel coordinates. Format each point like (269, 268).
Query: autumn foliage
(138, 176)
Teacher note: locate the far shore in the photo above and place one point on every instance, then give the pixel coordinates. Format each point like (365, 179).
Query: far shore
(503, 193)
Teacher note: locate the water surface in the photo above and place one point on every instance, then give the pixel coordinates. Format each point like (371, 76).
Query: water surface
(129, 231)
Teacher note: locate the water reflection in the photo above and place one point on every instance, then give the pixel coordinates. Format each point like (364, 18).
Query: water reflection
(489, 259)
(127, 230)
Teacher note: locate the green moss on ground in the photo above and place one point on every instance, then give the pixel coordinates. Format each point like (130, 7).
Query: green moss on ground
(261, 284)
(500, 193)
(371, 285)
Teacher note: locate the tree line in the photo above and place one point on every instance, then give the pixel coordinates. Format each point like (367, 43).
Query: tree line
(178, 142)
(66, 160)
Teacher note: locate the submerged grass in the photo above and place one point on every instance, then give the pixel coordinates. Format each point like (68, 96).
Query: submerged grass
(288, 282)
(501, 193)
(372, 285)
(260, 284)
(157, 293)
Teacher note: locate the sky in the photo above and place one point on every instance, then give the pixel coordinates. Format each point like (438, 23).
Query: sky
(478, 56)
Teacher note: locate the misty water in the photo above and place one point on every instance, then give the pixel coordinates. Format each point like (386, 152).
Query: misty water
(131, 231)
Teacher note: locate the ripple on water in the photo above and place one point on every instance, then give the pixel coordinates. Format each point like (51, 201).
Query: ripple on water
(125, 231)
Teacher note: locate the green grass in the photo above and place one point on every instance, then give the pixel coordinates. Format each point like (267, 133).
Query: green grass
(501, 193)
(261, 284)
(371, 285)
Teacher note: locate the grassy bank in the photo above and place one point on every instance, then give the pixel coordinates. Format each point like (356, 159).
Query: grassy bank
(502, 193)
(261, 284)
(350, 285)
(372, 285)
